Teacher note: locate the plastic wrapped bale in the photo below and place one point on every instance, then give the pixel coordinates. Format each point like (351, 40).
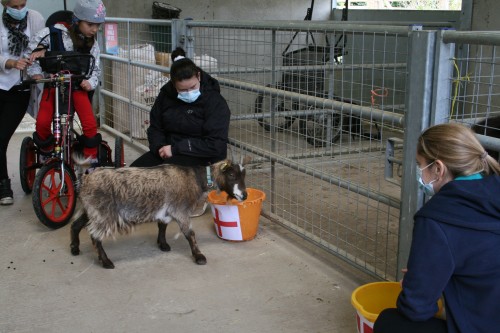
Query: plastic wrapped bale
(126, 81)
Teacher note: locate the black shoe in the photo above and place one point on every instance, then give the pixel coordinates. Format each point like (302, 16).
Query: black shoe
(6, 194)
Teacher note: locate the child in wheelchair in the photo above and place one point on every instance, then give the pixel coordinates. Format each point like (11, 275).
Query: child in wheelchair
(79, 35)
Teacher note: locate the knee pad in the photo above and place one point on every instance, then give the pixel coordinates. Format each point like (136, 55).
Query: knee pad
(43, 143)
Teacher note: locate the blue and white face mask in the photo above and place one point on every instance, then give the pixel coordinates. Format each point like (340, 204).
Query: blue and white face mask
(189, 96)
(17, 14)
(427, 188)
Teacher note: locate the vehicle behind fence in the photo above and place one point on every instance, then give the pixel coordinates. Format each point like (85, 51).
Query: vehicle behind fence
(329, 111)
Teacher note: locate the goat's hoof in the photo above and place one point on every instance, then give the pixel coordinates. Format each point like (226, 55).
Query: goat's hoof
(164, 247)
(75, 251)
(108, 264)
(200, 259)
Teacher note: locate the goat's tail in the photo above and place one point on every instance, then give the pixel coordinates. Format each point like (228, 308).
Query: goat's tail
(80, 160)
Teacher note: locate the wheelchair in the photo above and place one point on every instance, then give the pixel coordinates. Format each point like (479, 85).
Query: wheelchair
(55, 184)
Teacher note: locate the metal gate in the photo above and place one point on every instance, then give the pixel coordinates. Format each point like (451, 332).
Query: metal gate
(325, 110)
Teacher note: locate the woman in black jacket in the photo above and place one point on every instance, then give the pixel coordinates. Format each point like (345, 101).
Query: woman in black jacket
(189, 121)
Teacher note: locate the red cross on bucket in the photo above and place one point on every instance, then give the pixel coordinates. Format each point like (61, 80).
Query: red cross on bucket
(221, 224)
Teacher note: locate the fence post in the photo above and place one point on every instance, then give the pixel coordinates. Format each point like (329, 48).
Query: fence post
(420, 69)
(443, 71)
(182, 37)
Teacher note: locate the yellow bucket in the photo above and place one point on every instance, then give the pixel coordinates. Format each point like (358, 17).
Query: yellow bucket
(235, 220)
(370, 299)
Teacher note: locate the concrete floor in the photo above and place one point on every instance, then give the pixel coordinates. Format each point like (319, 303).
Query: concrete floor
(274, 283)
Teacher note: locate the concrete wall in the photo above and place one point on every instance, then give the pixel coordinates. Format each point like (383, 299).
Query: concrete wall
(47, 7)
(226, 9)
(485, 15)
(204, 9)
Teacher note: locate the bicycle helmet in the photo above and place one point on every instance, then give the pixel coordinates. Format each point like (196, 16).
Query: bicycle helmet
(92, 11)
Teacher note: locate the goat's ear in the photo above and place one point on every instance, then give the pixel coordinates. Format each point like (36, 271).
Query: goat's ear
(245, 160)
(224, 166)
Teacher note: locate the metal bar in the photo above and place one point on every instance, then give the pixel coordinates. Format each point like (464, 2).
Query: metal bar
(136, 143)
(126, 100)
(263, 69)
(420, 66)
(489, 142)
(273, 117)
(138, 20)
(136, 63)
(389, 157)
(129, 75)
(292, 113)
(443, 71)
(361, 27)
(250, 116)
(363, 112)
(472, 37)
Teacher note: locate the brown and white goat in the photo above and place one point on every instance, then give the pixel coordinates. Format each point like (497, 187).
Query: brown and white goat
(115, 200)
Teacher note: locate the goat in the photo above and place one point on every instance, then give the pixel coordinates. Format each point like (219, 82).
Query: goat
(116, 200)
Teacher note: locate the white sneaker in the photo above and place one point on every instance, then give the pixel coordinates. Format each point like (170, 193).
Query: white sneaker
(6, 195)
(5, 201)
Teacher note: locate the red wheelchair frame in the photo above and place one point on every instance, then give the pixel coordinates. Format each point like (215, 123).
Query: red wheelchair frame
(55, 185)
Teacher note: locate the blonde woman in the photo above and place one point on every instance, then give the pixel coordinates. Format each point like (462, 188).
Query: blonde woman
(18, 24)
(456, 239)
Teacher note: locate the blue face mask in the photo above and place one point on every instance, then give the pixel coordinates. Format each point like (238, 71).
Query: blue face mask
(189, 96)
(17, 14)
(427, 188)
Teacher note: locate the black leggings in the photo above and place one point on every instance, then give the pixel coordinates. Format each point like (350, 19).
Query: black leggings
(13, 105)
(391, 321)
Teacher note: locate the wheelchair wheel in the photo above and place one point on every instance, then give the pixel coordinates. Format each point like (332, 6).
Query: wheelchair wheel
(54, 199)
(119, 153)
(319, 130)
(265, 103)
(27, 164)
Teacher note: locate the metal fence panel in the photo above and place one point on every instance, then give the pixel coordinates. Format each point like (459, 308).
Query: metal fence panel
(475, 97)
(318, 105)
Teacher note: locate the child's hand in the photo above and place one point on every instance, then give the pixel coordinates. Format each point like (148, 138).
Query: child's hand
(85, 85)
(37, 54)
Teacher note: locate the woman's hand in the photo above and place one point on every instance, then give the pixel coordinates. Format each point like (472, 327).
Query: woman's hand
(165, 152)
(19, 64)
(85, 85)
(404, 271)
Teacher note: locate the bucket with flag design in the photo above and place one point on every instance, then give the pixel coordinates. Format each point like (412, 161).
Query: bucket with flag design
(235, 220)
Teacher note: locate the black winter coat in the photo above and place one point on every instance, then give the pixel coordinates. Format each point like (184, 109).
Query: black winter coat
(198, 129)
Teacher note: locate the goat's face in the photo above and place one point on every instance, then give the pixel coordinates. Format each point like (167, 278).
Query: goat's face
(230, 178)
